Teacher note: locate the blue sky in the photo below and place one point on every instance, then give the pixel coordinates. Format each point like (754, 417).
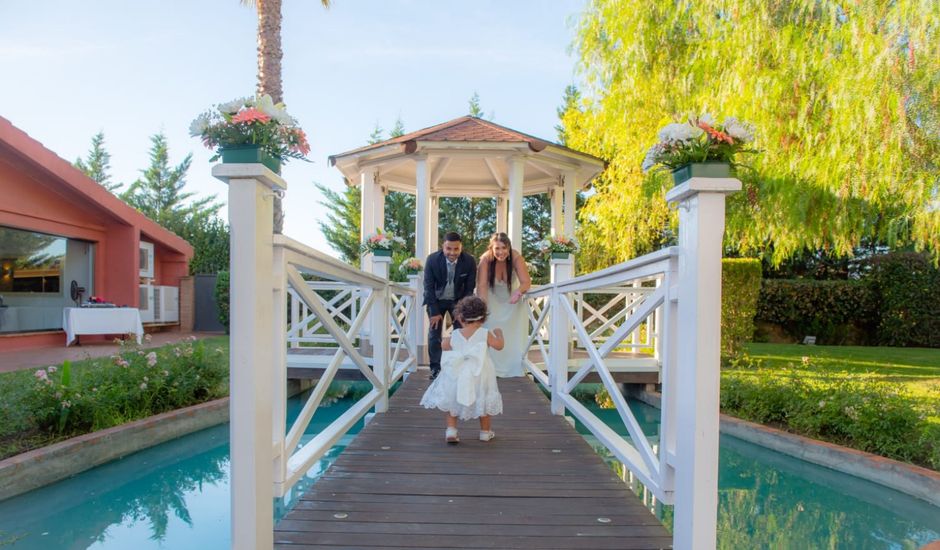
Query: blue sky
(72, 68)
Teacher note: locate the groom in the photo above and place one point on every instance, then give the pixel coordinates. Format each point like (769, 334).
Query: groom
(449, 275)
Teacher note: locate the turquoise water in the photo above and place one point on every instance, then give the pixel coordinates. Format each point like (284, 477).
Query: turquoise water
(176, 496)
(172, 496)
(770, 500)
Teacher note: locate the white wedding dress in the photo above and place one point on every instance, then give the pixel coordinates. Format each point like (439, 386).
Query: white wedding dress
(512, 319)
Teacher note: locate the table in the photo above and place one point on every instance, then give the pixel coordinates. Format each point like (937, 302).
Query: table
(93, 320)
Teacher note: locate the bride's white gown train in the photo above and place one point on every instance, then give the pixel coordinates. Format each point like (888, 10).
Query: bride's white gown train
(512, 319)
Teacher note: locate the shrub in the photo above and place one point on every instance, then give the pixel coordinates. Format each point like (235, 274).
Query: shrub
(222, 297)
(740, 281)
(856, 411)
(131, 385)
(835, 312)
(906, 287)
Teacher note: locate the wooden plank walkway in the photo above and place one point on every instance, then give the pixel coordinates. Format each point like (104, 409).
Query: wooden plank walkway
(537, 485)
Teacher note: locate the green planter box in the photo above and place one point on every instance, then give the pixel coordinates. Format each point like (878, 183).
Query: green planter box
(560, 255)
(701, 170)
(382, 252)
(250, 154)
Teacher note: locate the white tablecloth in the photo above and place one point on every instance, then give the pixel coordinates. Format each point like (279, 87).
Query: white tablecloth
(112, 320)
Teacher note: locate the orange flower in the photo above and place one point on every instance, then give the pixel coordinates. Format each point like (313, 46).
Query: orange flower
(251, 115)
(715, 134)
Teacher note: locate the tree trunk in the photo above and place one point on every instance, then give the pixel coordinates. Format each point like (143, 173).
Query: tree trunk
(269, 71)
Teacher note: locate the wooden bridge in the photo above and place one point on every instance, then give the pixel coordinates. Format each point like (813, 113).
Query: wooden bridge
(653, 319)
(538, 484)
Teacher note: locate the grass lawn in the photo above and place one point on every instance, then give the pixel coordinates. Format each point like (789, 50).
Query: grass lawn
(878, 399)
(918, 369)
(21, 390)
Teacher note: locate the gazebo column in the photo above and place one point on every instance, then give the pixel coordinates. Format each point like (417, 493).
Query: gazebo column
(434, 239)
(570, 198)
(370, 195)
(556, 198)
(422, 207)
(516, 177)
(501, 213)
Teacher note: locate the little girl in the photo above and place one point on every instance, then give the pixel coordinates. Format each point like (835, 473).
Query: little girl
(466, 387)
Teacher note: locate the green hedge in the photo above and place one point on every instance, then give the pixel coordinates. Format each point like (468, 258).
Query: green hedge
(897, 303)
(907, 288)
(856, 411)
(741, 284)
(835, 312)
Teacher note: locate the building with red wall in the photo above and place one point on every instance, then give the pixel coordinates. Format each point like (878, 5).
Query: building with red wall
(58, 226)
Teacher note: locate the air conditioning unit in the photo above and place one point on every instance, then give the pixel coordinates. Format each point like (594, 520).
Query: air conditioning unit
(159, 304)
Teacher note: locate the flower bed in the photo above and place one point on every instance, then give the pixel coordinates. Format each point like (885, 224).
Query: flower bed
(46, 405)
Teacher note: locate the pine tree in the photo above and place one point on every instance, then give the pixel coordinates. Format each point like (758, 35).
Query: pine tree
(342, 226)
(97, 164)
(159, 193)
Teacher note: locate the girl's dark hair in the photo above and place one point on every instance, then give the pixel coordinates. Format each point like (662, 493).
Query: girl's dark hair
(491, 275)
(470, 307)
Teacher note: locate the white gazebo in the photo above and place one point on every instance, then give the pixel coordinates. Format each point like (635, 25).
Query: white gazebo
(467, 157)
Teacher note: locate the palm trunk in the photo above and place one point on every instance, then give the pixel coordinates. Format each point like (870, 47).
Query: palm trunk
(269, 71)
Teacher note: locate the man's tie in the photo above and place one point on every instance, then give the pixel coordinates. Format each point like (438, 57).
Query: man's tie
(450, 272)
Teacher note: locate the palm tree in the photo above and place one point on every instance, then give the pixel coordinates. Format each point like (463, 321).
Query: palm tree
(269, 65)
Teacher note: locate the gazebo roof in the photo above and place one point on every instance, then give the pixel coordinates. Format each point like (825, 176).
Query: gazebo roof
(468, 156)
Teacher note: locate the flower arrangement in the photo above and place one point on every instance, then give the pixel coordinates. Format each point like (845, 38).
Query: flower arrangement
(559, 245)
(700, 139)
(411, 266)
(251, 121)
(383, 242)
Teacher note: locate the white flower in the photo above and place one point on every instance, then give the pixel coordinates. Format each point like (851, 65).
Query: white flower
(151, 359)
(199, 125)
(739, 130)
(52, 369)
(707, 119)
(143, 385)
(652, 157)
(233, 106)
(274, 110)
(674, 132)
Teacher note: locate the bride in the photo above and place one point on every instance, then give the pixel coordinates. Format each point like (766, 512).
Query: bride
(502, 279)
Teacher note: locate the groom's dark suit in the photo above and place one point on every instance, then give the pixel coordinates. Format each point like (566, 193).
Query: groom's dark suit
(435, 285)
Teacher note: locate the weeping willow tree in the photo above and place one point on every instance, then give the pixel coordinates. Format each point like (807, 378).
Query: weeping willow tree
(845, 97)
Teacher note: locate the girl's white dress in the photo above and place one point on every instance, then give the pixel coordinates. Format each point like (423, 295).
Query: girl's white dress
(466, 387)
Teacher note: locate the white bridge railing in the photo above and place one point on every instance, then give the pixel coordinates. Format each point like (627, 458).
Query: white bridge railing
(333, 312)
(665, 304)
(629, 320)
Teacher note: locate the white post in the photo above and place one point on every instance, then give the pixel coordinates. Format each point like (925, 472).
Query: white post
(422, 207)
(501, 214)
(414, 325)
(516, 176)
(560, 331)
(701, 203)
(571, 193)
(380, 331)
(250, 207)
(556, 196)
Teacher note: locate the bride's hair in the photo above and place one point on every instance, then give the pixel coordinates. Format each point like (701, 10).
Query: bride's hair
(470, 310)
(491, 272)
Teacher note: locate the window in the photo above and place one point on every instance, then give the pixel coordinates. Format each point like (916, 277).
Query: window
(145, 263)
(31, 262)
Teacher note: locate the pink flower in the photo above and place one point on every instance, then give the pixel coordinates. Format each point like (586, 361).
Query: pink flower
(151, 359)
(251, 115)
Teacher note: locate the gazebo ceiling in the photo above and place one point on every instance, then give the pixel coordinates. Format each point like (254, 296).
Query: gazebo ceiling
(468, 157)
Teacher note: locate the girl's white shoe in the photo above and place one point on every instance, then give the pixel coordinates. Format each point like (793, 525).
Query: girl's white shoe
(450, 435)
(486, 435)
